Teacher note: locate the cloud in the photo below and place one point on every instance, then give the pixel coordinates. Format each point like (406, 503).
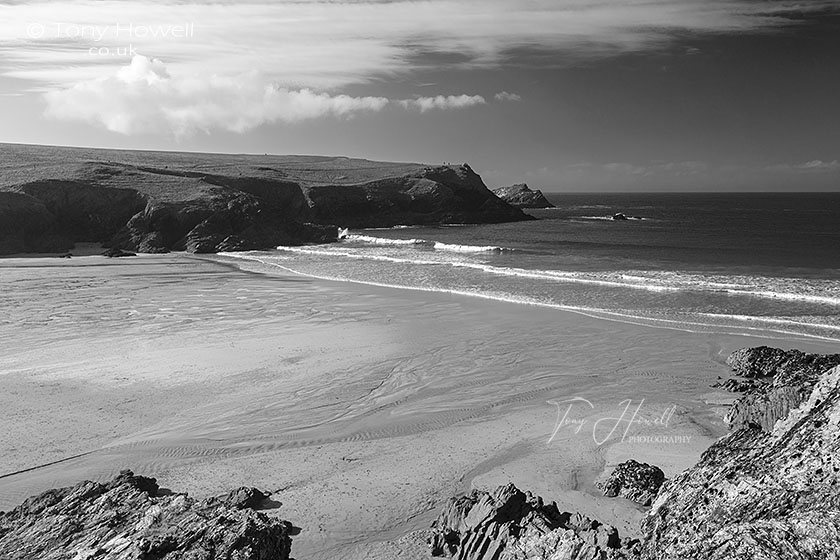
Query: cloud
(819, 165)
(812, 166)
(442, 102)
(505, 96)
(145, 98)
(327, 44)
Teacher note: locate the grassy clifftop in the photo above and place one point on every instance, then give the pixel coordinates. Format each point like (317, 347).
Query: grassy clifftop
(160, 201)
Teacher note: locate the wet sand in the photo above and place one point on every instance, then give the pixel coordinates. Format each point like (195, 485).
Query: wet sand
(363, 408)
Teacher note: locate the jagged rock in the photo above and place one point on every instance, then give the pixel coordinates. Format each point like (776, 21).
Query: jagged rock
(521, 196)
(757, 495)
(635, 481)
(244, 498)
(130, 518)
(508, 524)
(115, 252)
(779, 381)
(738, 385)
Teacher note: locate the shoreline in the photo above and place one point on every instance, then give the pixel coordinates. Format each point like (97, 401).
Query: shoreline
(596, 313)
(311, 386)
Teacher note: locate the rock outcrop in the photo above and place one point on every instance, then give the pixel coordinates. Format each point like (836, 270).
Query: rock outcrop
(635, 481)
(430, 195)
(778, 381)
(509, 524)
(131, 518)
(154, 202)
(758, 495)
(521, 196)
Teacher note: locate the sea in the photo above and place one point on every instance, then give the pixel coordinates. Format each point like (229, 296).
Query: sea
(739, 263)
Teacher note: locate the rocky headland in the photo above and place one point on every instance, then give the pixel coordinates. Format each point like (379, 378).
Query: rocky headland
(522, 196)
(155, 202)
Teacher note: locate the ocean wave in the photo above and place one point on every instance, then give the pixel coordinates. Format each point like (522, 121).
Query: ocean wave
(771, 325)
(386, 241)
(470, 248)
(436, 245)
(773, 320)
(609, 218)
(789, 289)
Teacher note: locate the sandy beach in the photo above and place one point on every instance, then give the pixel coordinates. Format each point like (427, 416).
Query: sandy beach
(362, 408)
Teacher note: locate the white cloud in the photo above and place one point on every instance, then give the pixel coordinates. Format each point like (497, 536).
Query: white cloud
(329, 44)
(505, 96)
(144, 97)
(819, 165)
(442, 102)
(294, 50)
(812, 166)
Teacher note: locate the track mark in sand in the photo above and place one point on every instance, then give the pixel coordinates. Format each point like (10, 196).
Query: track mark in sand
(653, 374)
(51, 463)
(157, 453)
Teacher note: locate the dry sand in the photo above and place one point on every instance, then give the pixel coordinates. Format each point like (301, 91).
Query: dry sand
(363, 408)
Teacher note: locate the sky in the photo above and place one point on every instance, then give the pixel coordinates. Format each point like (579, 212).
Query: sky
(565, 95)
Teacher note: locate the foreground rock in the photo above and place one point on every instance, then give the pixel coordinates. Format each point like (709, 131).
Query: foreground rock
(508, 524)
(635, 481)
(131, 518)
(522, 196)
(153, 202)
(777, 382)
(758, 495)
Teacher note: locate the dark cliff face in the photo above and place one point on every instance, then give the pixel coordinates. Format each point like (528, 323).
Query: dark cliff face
(521, 196)
(27, 225)
(157, 202)
(130, 518)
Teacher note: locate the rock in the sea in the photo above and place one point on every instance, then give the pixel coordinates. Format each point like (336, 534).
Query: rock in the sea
(508, 524)
(130, 518)
(635, 481)
(780, 381)
(521, 196)
(756, 495)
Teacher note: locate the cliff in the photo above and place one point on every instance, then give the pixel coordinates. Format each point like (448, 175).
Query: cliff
(758, 495)
(159, 201)
(522, 196)
(131, 518)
